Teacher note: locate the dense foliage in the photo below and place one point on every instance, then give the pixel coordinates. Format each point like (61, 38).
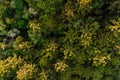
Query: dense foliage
(59, 39)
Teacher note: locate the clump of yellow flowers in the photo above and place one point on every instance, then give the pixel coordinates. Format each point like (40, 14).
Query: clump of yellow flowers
(115, 26)
(52, 46)
(85, 5)
(19, 44)
(24, 45)
(25, 72)
(85, 39)
(60, 66)
(2, 46)
(84, 2)
(9, 64)
(68, 53)
(33, 25)
(101, 60)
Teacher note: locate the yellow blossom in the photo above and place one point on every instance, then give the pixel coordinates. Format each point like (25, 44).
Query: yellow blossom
(2, 46)
(25, 72)
(60, 66)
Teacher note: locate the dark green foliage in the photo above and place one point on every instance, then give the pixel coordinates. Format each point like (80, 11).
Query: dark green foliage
(60, 39)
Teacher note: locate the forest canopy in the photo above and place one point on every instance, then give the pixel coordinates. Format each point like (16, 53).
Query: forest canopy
(59, 39)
